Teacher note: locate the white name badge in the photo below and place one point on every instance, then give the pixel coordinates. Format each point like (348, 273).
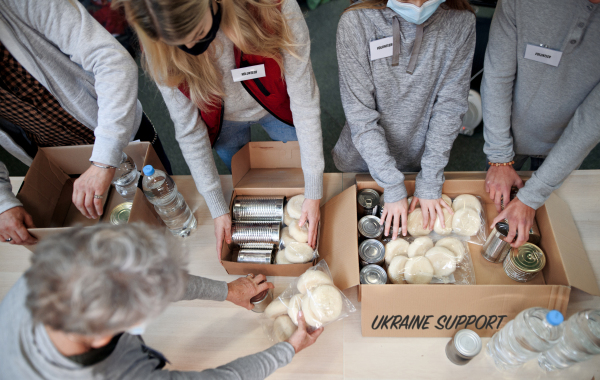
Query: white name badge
(382, 48)
(246, 73)
(543, 55)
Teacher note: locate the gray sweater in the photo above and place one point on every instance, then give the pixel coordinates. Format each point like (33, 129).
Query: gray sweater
(90, 74)
(531, 108)
(395, 121)
(27, 352)
(192, 134)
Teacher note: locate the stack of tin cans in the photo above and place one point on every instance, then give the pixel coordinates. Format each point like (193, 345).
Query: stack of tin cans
(524, 263)
(371, 251)
(258, 209)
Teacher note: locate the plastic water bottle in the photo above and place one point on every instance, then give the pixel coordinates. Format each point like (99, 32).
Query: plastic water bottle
(126, 178)
(579, 342)
(532, 332)
(161, 191)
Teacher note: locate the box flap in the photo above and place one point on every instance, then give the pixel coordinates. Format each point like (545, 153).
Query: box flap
(265, 155)
(338, 244)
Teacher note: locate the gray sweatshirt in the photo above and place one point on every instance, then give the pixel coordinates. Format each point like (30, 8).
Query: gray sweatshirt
(395, 121)
(90, 74)
(531, 108)
(27, 352)
(192, 134)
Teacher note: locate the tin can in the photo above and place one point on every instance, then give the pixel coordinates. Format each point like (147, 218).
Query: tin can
(263, 246)
(370, 227)
(371, 251)
(373, 275)
(262, 300)
(368, 202)
(534, 234)
(525, 262)
(258, 208)
(120, 214)
(255, 232)
(381, 206)
(495, 248)
(256, 256)
(463, 347)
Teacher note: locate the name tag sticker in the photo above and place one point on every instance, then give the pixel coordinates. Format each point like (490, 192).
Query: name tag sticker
(246, 73)
(381, 48)
(543, 55)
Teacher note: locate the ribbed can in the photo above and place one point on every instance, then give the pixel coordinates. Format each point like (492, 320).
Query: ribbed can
(525, 262)
(257, 246)
(255, 233)
(258, 208)
(495, 248)
(370, 227)
(368, 202)
(373, 275)
(463, 347)
(257, 256)
(371, 251)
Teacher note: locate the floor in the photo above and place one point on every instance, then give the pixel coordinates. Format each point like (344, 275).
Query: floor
(467, 153)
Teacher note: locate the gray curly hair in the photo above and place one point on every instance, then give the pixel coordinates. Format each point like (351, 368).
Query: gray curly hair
(103, 279)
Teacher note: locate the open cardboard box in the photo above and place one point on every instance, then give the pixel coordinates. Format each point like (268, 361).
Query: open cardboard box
(440, 310)
(46, 192)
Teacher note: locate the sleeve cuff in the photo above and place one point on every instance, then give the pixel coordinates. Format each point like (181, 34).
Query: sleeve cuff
(287, 348)
(107, 152)
(500, 159)
(216, 203)
(313, 186)
(8, 201)
(395, 193)
(428, 190)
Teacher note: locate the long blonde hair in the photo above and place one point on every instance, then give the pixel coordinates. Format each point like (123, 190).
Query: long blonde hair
(256, 27)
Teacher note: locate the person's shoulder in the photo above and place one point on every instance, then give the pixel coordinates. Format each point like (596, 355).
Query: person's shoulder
(463, 17)
(458, 25)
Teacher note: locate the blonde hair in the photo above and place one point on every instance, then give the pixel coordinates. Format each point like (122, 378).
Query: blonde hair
(256, 27)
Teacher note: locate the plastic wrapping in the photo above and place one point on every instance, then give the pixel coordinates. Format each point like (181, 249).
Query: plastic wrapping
(294, 250)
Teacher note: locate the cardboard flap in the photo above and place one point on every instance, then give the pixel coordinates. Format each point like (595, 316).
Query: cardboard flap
(264, 155)
(574, 257)
(339, 237)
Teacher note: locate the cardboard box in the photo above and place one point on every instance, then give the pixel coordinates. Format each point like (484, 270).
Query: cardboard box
(46, 192)
(440, 310)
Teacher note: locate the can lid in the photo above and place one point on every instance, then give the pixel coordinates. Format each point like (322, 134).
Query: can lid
(467, 342)
(373, 274)
(370, 226)
(554, 317)
(260, 296)
(120, 214)
(503, 228)
(368, 198)
(371, 250)
(528, 258)
(148, 170)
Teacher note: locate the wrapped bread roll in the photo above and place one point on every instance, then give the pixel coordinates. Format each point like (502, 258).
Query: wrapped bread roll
(395, 269)
(311, 279)
(280, 257)
(419, 246)
(286, 238)
(309, 316)
(326, 303)
(294, 307)
(447, 199)
(294, 206)
(297, 252)
(415, 223)
(395, 248)
(276, 308)
(283, 328)
(442, 260)
(466, 222)
(455, 246)
(437, 227)
(299, 233)
(418, 270)
(287, 219)
(466, 200)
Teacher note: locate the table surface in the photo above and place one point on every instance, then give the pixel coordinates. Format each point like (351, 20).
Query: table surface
(196, 335)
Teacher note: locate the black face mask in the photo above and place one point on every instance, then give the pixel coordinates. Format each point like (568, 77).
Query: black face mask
(202, 45)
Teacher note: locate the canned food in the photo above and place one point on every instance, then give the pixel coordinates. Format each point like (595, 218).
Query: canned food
(258, 208)
(262, 300)
(255, 232)
(370, 227)
(368, 202)
(257, 246)
(120, 214)
(525, 262)
(371, 251)
(257, 256)
(495, 248)
(381, 206)
(373, 275)
(463, 347)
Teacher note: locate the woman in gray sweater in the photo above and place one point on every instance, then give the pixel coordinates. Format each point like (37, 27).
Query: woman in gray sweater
(404, 81)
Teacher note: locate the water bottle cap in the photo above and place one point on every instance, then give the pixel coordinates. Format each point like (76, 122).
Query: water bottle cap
(554, 317)
(148, 170)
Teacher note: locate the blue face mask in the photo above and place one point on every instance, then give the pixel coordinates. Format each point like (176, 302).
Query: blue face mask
(412, 13)
(137, 330)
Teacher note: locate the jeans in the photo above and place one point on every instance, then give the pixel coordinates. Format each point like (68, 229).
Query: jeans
(520, 160)
(235, 134)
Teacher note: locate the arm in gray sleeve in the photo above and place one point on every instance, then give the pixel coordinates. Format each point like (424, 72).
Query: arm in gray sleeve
(358, 99)
(579, 138)
(205, 289)
(446, 117)
(497, 85)
(7, 198)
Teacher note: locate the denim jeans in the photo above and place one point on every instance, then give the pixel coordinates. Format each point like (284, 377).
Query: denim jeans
(235, 134)
(520, 160)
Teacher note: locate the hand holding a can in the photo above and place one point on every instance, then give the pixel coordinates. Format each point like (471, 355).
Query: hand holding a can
(394, 212)
(301, 338)
(242, 290)
(498, 182)
(520, 219)
(311, 213)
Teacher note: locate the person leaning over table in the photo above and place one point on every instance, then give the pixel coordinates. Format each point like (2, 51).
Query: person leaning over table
(191, 48)
(404, 109)
(80, 308)
(64, 80)
(537, 103)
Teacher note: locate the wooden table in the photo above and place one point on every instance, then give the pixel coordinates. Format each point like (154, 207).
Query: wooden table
(195, 335)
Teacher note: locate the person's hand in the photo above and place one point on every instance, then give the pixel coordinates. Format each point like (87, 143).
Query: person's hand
(498, 182)
(301, 338)
(431, 208)
(396, 212)
(311, 213)
(94, 181)
(13, 226)
(222, 231)
(243, 289)
(520, 218)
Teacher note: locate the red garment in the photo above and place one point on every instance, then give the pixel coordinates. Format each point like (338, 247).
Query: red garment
(112, 20)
